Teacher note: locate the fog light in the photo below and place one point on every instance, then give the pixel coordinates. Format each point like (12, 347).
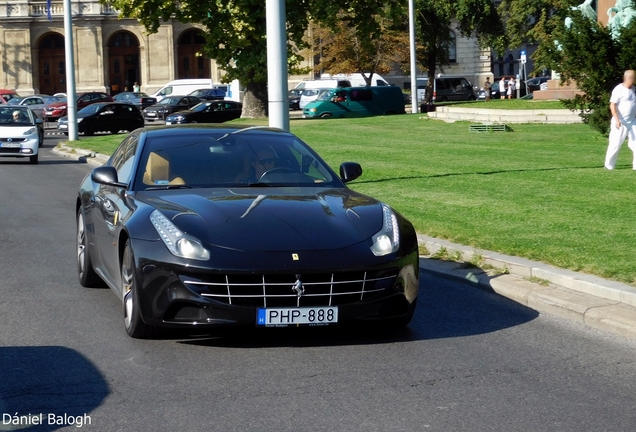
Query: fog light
(26, 151)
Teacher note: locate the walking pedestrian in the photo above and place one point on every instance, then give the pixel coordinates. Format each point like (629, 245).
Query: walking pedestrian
(512, 84)
(488, 87)
(502, 88)
(136, 87)
(623, 125)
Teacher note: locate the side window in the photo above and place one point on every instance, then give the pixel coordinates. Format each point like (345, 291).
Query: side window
(466, 84)
(85, 98)
(37, 101)
(124, 157)
(361, 95)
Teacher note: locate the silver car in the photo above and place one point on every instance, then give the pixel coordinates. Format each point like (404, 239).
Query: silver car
(35, 103)
(21, 133)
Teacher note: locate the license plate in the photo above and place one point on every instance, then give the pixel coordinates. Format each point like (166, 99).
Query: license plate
(11, 145)
(62, 126)
(168, 123)
(151, 114)
(48, 112)
(282, 317)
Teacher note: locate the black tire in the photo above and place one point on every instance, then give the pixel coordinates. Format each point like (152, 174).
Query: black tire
(114, 131)
(85, 271)
(41, 139)
(66, 133)
(325, 115)
(472, 98)
(133, 323)
(33, 160)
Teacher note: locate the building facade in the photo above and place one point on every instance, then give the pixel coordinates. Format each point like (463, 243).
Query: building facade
(111, 54)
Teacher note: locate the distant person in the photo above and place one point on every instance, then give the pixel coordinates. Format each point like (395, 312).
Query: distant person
(488, 87)
(512, 84)
(136, 87)
(623, 125)
(502, 88)
(261, 162)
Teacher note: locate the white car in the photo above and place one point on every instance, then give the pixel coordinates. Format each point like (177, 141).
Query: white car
(21, 133)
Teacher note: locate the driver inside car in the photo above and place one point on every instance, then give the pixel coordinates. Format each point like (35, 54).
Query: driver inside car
(260, 163)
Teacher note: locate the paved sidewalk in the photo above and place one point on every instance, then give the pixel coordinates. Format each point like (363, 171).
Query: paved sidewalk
(591, 300)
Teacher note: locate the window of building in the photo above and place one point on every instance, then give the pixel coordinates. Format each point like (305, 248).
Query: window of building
(452, 47)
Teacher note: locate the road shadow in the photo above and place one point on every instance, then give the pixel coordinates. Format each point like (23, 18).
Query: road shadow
(445, 309)
(48, 380)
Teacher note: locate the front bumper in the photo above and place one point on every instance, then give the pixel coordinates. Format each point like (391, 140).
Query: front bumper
(28, 146)
(158, 116)
(172, 294)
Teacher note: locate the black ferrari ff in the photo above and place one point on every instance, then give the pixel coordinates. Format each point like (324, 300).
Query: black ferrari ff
(202, 226)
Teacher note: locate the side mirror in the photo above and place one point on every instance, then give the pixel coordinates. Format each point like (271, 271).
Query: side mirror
(39, 121)
(350, 171)
(106, 175)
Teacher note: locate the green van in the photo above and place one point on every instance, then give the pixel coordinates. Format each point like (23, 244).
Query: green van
(356, 102)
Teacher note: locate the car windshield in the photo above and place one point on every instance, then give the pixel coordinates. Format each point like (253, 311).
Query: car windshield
(311, 92)
(16, 101)
(243, 158)
(170, 101)
(8, 96)
(201, 107)
(90, 109)
(14, 116)
(326, 95)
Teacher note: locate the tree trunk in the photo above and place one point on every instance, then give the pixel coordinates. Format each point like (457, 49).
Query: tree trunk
(255, 101)
(432, 60)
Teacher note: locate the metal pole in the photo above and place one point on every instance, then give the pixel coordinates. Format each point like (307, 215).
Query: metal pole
(71, 95)
(414, 101)
(277, 64)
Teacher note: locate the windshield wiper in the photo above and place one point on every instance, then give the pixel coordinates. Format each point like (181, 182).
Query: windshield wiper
(167, 187)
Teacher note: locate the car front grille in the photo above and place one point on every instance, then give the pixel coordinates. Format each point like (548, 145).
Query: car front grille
(273, 290)
(12, 139)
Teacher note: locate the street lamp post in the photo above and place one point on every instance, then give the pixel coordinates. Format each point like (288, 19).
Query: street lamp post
(413, 59)
(71, 95)
(278, 106)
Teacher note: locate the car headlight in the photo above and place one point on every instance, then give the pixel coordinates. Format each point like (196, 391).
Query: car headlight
(31, 131)
(63, 107)
(387, 240)
(312, 109)
(79, 120)
(178, 243)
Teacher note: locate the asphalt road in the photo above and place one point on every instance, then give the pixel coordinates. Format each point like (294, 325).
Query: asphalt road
(470, 361)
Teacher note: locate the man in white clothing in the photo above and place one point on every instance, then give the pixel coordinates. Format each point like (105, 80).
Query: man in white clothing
(623, 125)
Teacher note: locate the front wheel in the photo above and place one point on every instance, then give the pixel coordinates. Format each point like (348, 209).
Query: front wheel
(326, 115)
(134, 324)
(85, 271)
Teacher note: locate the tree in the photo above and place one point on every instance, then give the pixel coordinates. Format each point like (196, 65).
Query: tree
(587, 54)
(235, 37)
(369, 40)
(434, 18)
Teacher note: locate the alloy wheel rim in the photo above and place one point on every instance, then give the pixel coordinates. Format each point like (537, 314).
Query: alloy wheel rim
(81, 248)
(127, 281)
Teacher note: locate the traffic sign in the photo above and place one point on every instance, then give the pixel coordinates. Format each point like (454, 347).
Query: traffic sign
(522, 57)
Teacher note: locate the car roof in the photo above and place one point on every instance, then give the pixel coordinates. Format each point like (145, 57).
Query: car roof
(202, 129)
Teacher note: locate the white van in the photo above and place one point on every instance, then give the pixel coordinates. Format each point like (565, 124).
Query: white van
(357, 80)
(311, 89)
(183, 87)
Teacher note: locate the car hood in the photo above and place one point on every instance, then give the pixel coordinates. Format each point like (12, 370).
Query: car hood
(181, 113)
(253, 219)
(14, 131)
(159, 106)
(56, 104)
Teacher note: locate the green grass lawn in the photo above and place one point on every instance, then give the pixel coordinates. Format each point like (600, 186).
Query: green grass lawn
(539, 192)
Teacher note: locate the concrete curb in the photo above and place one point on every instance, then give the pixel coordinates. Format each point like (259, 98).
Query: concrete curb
(81, 155)
(590, 300)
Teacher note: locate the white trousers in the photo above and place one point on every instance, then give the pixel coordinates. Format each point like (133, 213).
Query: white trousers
(616, 138)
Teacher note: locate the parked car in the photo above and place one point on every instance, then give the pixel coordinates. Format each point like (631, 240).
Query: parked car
(35, 103)
(356, 102)
(139, 99)
(183, 87)
(7, 95)
(207, 112)
(534, 84)
(21, 133)
(105, 117)
(294, 98)
(58, 109)
(495, 94)
(447, 89)
(196, 226)
(169, 105)
(209, 94)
